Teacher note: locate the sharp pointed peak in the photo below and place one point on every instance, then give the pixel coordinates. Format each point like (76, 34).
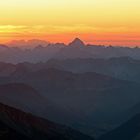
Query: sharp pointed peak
(77, 39)
(77, 43)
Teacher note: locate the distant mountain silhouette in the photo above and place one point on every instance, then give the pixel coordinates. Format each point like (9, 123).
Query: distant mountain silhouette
(75, 49)
(26, 51)
(77, 43)
(3, 48)
(30, 44)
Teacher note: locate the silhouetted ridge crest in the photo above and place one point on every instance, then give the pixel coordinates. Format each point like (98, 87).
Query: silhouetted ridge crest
(77, 43)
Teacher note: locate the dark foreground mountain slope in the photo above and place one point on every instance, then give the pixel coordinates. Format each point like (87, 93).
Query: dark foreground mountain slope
(127, 131)
(17, 123)
(7, 133)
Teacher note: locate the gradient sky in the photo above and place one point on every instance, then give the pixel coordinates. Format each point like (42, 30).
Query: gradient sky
(95, 21)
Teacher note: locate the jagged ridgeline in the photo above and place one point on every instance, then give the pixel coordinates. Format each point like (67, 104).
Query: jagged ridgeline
(41, 51)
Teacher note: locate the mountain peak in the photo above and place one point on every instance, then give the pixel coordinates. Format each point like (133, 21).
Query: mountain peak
(77, 43)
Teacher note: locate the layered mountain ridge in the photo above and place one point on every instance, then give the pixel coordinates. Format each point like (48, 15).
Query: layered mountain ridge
(19, 124)
(27, 51)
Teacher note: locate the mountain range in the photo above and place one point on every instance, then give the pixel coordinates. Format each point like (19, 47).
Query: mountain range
(41, 51)
(90, 88)
(82, 101)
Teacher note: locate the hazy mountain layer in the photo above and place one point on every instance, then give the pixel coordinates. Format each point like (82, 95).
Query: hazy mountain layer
(41, 51)
(83, 100)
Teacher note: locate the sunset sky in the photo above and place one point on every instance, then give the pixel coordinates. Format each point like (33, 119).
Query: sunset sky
(95, 21)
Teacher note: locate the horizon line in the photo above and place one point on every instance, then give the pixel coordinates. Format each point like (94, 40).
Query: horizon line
(103, 42)
(9, 43)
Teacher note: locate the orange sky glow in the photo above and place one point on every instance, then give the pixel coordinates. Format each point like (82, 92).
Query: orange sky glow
(115, 22)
